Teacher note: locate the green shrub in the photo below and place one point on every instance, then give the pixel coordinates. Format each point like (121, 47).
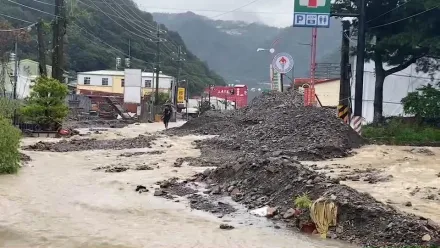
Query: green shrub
(397, 132)
(46, 105)
(303, 202)
(9, 144)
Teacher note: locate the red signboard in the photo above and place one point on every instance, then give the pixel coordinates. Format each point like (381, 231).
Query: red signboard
(237, 94)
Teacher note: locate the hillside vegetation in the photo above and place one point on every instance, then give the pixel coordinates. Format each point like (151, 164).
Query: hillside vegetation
(230, 47)
(100, 31)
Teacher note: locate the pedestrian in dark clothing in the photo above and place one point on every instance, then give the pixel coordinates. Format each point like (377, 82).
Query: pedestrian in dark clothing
(167, 115)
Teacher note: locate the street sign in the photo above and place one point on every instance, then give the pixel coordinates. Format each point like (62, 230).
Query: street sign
(282, 62)
(180, 95)
(311, 13)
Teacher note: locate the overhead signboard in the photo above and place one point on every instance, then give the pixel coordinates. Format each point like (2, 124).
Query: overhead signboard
(311, 13)
(181, 95)
(282, 63)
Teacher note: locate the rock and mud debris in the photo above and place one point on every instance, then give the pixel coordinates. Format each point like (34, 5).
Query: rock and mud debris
(141, 189)
(226, 227)
(112, 168)
(25, 158)
(258, 149)
(142, 141)
(134, 154)
(144, 167)
(277, 123)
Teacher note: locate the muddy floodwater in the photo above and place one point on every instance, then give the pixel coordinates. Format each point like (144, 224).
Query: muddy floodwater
(411, 176)
(59, 201)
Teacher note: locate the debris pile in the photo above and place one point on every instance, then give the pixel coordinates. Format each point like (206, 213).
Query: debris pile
(257, 153)
(277, 122)
(141, 141)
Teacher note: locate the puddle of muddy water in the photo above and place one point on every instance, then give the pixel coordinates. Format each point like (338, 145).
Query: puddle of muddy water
(59, 201)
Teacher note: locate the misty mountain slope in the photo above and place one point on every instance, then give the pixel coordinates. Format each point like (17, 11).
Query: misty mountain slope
(99, 31)
(230, 47)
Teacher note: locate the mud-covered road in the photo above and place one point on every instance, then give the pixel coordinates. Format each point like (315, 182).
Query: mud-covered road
(78, 199)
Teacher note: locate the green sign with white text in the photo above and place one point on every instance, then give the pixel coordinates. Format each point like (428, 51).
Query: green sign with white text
(312, 13)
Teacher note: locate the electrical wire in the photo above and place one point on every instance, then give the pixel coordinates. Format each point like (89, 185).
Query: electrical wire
(41, 11)
(51, 4)
(406, 18)
(103, 42)
(233, 10)
(143, 30)
(151, 30)
(17, 29)
(397, 7)
(105, 13)
(15, 18)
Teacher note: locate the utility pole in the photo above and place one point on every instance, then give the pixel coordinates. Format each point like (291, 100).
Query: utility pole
(360, 56)
(344, 88)
(59, 30)
(15, 69)
(41, 49)
(179, 65)
(156, 96)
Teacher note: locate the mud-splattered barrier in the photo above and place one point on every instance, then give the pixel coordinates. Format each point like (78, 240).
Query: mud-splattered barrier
(142, 141)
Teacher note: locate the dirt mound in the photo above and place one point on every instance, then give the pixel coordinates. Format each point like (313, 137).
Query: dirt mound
(92, 144)
(277, 181)
(277, 122)
(257, 152)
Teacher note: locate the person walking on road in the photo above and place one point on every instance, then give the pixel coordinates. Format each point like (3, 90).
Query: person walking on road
(167, 112)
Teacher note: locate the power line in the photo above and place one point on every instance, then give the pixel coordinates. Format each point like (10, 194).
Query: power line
(15, 18)
(397, 7)
(230, 11)
(124, 12)
(105, 43)
(17, 29)
(406, 18)
(41, 11)
(51, 4)
(105, 13)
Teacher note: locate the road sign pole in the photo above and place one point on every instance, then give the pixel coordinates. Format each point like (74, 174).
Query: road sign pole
(313, 64)
(282, 81)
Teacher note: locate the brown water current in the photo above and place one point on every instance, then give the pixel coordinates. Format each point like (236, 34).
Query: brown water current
(413, 176)
(57, 200)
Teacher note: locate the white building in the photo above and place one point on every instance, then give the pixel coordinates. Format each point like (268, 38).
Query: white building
(396, 87)
(28, 71)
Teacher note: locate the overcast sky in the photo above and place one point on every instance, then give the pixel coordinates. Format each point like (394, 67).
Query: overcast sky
(274, 13)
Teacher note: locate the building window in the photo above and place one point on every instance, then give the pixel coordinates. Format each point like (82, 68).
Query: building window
(86, 81)
(105, 81)
(148, 83)
(122, 82)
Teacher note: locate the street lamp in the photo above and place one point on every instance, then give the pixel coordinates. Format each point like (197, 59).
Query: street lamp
(271, 50)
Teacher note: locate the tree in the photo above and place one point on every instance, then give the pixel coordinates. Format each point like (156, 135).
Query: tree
(423, 103)
(46, 105)
(405, 32)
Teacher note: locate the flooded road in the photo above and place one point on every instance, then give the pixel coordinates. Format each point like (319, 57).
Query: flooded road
(58, 201)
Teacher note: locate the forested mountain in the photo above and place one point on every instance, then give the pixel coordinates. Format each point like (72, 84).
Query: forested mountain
(230, 48)
(98, 31)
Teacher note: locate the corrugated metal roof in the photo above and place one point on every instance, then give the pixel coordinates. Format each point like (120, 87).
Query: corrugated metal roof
(119, 73)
